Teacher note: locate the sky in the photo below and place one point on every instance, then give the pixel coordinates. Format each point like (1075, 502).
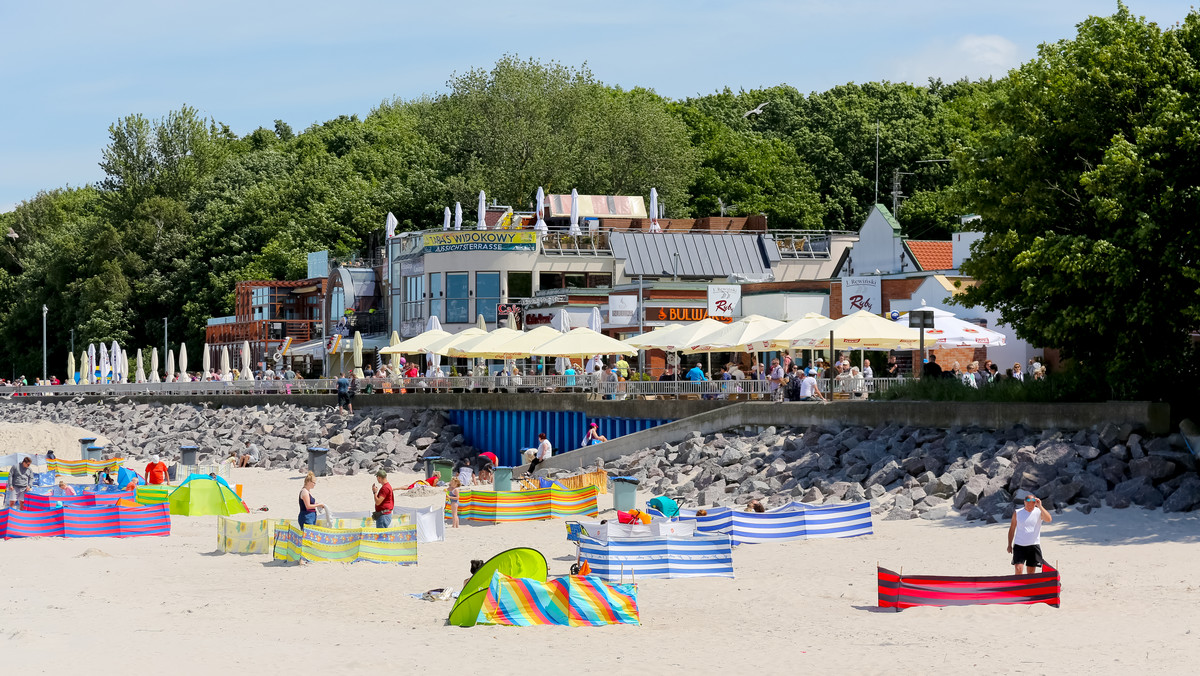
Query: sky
(69, 69)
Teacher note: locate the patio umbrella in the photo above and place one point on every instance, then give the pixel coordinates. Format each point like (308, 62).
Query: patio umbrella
(154, 366)
(780, 338)
(483, 347)
(183, 358)
(206, 360)
(734, 335)
(562, 322)
(540, 225)
(523, 344)
(105, 364)
(93, 365)
(480, 322)
(860, 331)
(395, 357)
(71, 367)
(575, 212)
(595, 322)
(950, 331)
(141, 370)
(358, 354)
(416, 344)
(224, 360)
(640, 339)
(446, 219)
(458, 216)
(442, 346)
(85, 377)
(433, 360)
(581, 342)
(482, 224)
(170, 366)
(247, 372)
(654, 226)
(511, 322)
(681, 337)
(117, 362)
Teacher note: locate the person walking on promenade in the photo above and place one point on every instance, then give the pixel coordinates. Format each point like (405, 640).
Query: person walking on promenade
(343, 392)
(1025, 535)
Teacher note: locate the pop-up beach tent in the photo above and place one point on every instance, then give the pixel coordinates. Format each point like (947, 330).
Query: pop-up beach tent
(201, 495)
(518, 562)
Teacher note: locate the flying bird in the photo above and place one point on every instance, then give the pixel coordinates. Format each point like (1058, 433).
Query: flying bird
(756, 111)
(12, 234)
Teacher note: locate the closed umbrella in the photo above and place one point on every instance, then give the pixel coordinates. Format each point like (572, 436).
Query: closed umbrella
(480, 322)
(446, 219)
(575, 212)
(358, 347)
(511, 322)
(85, 371)
(581, 342)
(170, 372)
(71, 367)
(206, 360)
(540, 208)
(183, 359)
(93, 365)
(105, 365)
(247, 372)
(141, 370)
(433, 361)
(654, 226)
(458, 216)
(595, 323)
(395, 357)
(225, 360)
(117, 363)
(154, 378)
(482, 225)
(562, 322)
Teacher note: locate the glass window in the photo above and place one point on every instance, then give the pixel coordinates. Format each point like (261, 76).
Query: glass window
(435, 296)
(550, 280)
(599, 280)
(414, 297)
(576, 280)
(458, 303)
(520, 285)
(487, 294)
(396, 316)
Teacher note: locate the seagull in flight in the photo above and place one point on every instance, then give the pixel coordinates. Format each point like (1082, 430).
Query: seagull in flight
(12, 234)
(756, 111)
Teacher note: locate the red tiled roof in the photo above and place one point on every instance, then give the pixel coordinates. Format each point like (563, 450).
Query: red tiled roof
(931, 255)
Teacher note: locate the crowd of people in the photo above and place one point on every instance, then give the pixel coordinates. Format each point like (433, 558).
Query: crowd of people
(976, 376)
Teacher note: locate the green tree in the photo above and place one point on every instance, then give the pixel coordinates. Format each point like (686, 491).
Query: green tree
(1086, 180)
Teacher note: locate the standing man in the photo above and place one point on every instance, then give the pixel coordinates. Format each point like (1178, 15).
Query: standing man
(867, 373)
(343, 392)
(20, 478)
(384, 501)
(156, 471)
(932, 369)
(696, 375)
(776, 381)
(1025, 536)
(622, 368)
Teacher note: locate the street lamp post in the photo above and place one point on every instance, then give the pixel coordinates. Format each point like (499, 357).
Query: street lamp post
(45, 310)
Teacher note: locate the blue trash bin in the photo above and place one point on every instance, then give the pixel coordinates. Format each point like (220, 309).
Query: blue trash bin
(624, 493)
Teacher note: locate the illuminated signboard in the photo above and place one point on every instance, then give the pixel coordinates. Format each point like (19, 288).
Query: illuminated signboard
(680, 314)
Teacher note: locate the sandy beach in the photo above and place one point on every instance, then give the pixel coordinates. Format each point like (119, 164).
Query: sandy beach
(1130, 603)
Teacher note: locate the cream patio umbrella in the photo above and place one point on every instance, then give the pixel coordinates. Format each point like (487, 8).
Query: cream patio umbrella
(170, 372)
(523, 344)
(581, 342)
(206, 360)
(71, 367)
(640, 340)
(83, 368)
(141, 370)
(416, 344)
(480, 322)
(654, 226)
(154, 366)
(183, 360)
(681, 337)
(859, 331)
(358, 348)
(458, 215)
(575, 213)
(394, 358)
(540, 209)
(483, 347)
(224, 360)
(734, 335)
(247, 372)
(780, 338)
(446, 219)
(442, 347)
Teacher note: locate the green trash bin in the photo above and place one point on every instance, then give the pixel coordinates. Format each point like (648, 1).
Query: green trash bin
(443, 468)
(502, 479)
(624, 493)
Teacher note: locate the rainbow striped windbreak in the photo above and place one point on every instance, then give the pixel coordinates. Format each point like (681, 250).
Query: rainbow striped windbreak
(905, 591)
(82, 467)
(397, 544)
(85, 522)
(575, 601)
(543, 503)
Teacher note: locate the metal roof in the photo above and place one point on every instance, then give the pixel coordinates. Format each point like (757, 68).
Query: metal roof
(700, 255)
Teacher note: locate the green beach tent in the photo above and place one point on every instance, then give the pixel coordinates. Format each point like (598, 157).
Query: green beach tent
(201, 495)
(517, 562)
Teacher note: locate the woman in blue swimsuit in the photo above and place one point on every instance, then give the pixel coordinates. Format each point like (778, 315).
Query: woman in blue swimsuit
(308, 503)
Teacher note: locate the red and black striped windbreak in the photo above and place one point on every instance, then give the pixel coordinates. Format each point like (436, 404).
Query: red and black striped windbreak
(899, 592)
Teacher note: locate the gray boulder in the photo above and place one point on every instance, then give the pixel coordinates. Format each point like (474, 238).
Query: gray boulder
(1185, 498)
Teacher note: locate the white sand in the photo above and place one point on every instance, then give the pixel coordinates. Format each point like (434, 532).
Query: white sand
(41, 437)
(1131, 604)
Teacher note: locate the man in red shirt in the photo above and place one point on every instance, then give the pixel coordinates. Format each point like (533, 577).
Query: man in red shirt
(384, 501)
(156, 471)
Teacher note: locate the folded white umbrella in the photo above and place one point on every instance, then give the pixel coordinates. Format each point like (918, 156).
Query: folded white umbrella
(482, 224)
(141, 370)
(170, 366)
(575, 213)
(247, 372)
(183, 359)
(540, 225)
(154, 366)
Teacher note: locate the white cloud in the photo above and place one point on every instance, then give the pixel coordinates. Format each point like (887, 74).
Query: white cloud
(971, 56)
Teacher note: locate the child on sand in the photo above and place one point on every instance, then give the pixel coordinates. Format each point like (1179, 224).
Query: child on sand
(452, 493)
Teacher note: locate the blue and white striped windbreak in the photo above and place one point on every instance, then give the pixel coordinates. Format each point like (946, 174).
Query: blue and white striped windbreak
(793, 521)
(668, 556)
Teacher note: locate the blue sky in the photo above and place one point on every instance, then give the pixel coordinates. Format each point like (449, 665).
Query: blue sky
(70, 69)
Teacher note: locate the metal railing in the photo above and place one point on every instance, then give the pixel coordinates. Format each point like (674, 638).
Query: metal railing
(510, 384)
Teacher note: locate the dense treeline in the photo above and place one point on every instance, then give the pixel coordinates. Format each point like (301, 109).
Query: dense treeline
(1076, 162)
